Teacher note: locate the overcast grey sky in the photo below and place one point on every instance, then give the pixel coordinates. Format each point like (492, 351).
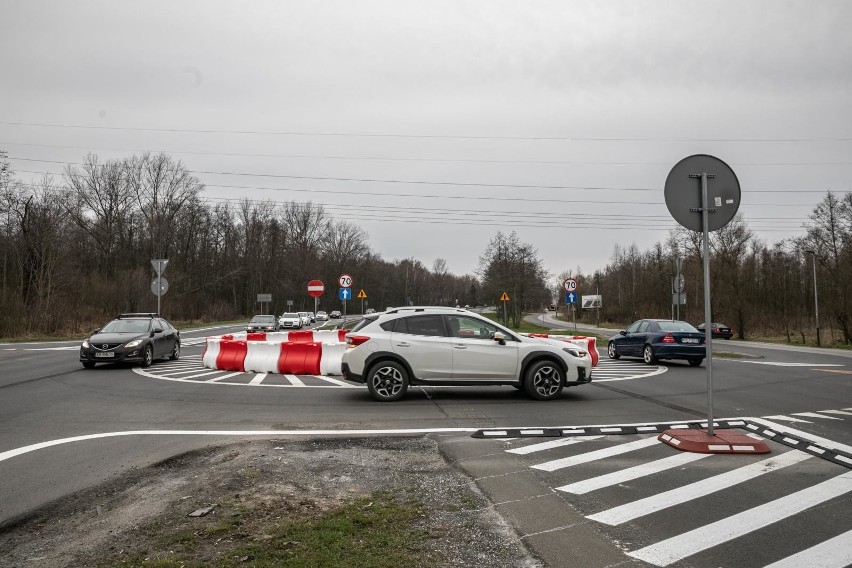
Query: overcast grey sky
(433, 125)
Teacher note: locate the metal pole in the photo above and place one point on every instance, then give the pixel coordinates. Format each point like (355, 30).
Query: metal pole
(816, 301)
(708, 331)
(160, 291)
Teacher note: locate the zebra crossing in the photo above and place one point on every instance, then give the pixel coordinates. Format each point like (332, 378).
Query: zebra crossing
(704, 510)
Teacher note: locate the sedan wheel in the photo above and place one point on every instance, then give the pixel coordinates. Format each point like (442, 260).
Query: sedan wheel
(387, 381)
(612, 351)
(648, 355)
(148, 356)
(544, 381)
(175, 352)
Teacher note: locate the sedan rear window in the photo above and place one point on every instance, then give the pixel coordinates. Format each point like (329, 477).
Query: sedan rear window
(676, 326)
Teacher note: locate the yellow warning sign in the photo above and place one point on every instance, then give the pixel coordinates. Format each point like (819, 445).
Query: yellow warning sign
(362, 294)
(504, 297)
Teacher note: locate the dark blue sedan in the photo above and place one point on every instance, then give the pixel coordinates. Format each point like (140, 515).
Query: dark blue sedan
(655, 339)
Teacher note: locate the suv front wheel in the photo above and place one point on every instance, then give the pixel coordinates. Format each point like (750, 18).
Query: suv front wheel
(387, 381)
(544, 380)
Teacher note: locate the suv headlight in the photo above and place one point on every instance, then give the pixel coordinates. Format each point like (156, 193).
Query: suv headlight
(132, 344)
(85, 344)
(575, 352)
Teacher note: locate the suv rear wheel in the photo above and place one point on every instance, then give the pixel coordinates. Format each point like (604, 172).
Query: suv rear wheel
(544, 380)
(387, 381)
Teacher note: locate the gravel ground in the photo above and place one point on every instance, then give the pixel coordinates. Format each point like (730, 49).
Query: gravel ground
(144, 514)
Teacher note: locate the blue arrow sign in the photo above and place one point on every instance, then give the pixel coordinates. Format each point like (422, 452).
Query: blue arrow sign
(344, 293)
(570, 298)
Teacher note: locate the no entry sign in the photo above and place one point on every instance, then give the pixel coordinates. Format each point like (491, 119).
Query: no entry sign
(315, 288)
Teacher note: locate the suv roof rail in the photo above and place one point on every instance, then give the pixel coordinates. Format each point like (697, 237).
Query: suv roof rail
(424, 308)
(138, 315)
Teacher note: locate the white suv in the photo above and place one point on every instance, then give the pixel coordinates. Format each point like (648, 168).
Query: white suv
(448, 346)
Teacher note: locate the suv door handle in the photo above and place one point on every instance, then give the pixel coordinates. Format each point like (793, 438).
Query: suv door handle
(459, 346)
(403, 344)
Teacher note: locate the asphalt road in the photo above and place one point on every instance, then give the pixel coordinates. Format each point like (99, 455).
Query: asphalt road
(45, 396)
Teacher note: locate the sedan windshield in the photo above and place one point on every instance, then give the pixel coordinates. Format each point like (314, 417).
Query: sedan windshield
(263, 319)
(126, 326)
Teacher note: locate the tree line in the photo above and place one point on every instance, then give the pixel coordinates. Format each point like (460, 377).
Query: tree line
(758, 288)
(77, 251)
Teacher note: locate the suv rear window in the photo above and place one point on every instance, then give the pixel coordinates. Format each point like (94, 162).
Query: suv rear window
(430, 325)
(366, 321)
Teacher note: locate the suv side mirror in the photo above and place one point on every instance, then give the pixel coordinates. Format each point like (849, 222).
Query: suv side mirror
(158, 330)
(622, 332)
(499, 338)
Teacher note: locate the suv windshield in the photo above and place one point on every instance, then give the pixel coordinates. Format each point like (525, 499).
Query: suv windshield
(126, 326)
(291, 316)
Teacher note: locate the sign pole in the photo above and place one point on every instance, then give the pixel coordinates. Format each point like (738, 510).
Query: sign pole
(708, 330)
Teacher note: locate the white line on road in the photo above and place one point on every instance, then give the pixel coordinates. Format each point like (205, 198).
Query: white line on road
(228, 376)
(631, 473)
(833, 553)
(540, 447)
(596, 455)
(788, 419)
(654, 503)
(257, 379)
(684, 545)
(815, 415)
(841, 412)
(294, 380)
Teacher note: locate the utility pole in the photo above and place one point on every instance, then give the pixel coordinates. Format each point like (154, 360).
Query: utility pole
(816, 301)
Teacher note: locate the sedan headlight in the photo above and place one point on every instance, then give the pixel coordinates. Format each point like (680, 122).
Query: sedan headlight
(85, 344)
(134, 343)
(574, 352)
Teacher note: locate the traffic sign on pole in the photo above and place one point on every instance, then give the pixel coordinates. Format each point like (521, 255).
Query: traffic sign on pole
(344, 294)
(570, 297)
(345, 281)
(316, 288)
(570, 285)
(362, 294)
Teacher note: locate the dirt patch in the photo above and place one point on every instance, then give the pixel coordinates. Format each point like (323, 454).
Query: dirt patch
(257, 487)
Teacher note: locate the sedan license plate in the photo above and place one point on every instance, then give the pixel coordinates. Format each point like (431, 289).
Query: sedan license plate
(690, 340)
(105, 354)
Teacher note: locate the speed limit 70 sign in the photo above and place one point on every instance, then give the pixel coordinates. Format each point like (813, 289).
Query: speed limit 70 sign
(345, 281)
(570, 285)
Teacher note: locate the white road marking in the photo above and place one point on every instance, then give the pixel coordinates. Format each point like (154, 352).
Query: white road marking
(692, 542)
(784, 418)
(815, 415)
(631, 473)
(841, 412)
(597, 454)
(654, 503)
(540, 447)
(186, 379)
(833, 553)
(228, 376)
(784, 364)
(333, 381)
(294, 380)
(258, 378)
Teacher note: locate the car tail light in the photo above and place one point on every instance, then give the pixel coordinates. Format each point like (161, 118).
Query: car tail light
(668, 339)
(356, 340)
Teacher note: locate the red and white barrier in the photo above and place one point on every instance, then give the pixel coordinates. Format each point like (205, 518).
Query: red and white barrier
(587, 343)
(295, 352)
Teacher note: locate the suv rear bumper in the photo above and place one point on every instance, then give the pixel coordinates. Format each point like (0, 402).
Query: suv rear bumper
(350, 376)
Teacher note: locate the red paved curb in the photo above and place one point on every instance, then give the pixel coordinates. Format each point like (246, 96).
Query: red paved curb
(723, 442)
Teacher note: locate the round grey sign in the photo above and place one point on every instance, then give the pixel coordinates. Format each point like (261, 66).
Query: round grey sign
(159, 286)
(683, 192)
